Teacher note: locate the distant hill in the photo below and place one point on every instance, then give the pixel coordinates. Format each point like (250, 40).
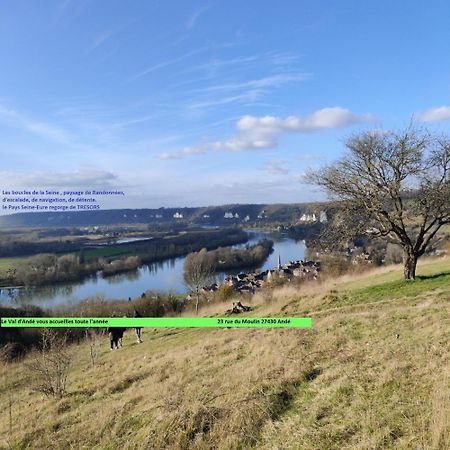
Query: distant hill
(210, 215)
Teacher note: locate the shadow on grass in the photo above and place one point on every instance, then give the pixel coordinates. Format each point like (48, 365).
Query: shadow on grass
(432, 277)
(401, 288)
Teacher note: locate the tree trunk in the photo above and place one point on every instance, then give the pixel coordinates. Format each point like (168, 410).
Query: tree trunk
(409, 265)
(197, 302)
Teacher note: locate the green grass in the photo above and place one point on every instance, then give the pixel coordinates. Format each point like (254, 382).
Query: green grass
(402, 288)
(113, 250)
(372, 376)
(10, 263)
(389, 284)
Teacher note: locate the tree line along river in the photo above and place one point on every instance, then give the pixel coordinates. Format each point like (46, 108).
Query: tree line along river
(162, 276)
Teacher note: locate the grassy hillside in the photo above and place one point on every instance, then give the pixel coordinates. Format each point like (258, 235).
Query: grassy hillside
(372, 373)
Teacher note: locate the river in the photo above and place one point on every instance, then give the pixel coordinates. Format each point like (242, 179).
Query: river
(161, 276)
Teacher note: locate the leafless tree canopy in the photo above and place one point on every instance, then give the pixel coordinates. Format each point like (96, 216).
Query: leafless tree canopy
(51, 365)
(392, 184)
(197, 272)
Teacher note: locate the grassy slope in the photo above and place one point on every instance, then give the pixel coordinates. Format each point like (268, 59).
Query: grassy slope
(372, 373)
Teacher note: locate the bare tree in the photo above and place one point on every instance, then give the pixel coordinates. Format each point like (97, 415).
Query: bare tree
(51, 365)
(94, 338)
(394, 185)
(197, 272)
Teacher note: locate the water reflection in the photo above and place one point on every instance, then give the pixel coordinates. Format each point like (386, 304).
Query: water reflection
(121, 277)
(159, 276)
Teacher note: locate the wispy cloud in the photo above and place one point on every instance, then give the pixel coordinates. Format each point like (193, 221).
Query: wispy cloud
(276, 167)
(172, 61)
(434, 114)
(133, 121)
(84, 177)
(215, 64)
(271, 81)
(300, 177)
(181, 58)
(247, 92)
(277, 60)
(101, 119)
(250, 96)
(44, 130)
(167, 155)
(68, 10)
(255, 133)
(105, 36)
(309, 157)
(101, 38)
(193, 18)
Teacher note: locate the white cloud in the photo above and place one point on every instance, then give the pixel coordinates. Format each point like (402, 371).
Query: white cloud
(167, 155)
(309, 157)
(85, 177)
(276, 167)
(264, 132)
(434, 114)
(193, 150)
(255, 133)
(198, 150)
(335, 117)
(300, 177)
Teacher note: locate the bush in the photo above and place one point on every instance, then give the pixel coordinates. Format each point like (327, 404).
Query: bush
(335, 265)
(394, 254)
(175, 304)
(121, 265)
(225, 292)
(47, 268)
(51, 365)
(15, 342)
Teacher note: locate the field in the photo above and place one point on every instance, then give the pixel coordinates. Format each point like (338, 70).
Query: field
(9, 263)
(372, 373)
(109, 251)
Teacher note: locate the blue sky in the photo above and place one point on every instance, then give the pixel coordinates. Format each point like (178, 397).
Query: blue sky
(200, 103)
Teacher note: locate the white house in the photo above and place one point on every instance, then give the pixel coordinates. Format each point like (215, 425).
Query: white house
(308, 218)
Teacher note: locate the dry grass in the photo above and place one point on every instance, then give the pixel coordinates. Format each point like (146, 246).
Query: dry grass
(370, 374)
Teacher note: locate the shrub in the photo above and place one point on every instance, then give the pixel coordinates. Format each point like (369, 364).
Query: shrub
(225, 292)
(335, 265)
(52, 364)
(394, 254)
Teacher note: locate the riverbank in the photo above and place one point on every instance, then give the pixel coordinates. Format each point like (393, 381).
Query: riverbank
(240, 258)
(46, 269)
(160, 276)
